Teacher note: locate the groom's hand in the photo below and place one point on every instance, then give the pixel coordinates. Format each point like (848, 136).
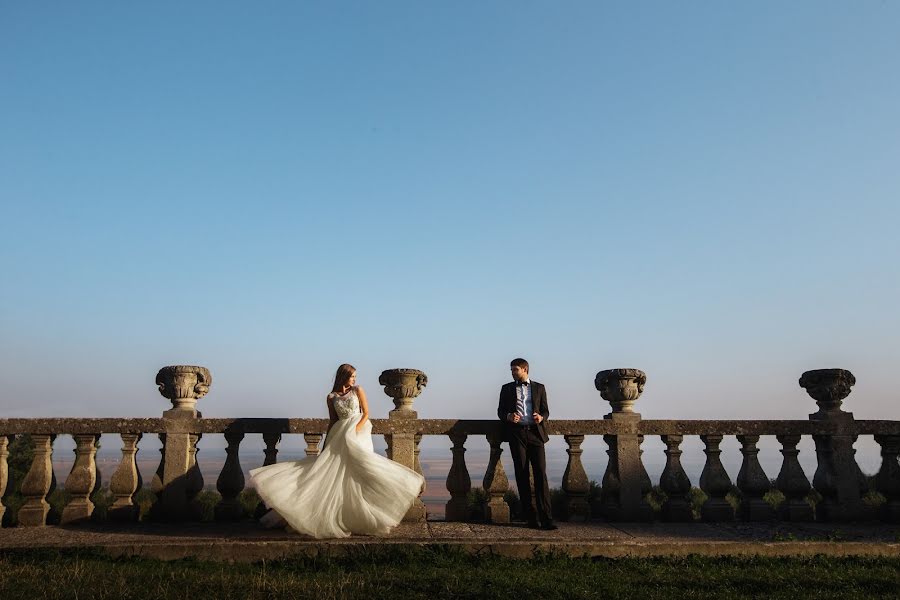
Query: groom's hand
(513, 417)
(537, 417)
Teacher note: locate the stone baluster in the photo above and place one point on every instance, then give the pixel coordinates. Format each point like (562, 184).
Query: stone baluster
(829, 387)
(417, 466)
(887, 482)
(195, 481)
(38, 482)
(81, 480)
(575, 482)
(388, 439)
(272, 439)
(609, 504)
(404, 386)
(312, 443)
(625, 473)
(495, 484)
(824, 481)
(183, 385)
(126, 481)
(231, 480)
(715, 482)
(675, 483)
(866, 511)
(792, 482)
(156, 481)
(458, 481)
(646, 511)
(753, 482)
(4, 471)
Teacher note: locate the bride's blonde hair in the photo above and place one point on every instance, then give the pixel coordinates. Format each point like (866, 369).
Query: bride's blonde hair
(343, 375)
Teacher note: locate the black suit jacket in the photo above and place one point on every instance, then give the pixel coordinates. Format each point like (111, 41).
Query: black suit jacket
(508, 405)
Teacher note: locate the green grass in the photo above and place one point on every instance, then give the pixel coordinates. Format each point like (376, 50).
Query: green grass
(443, 572)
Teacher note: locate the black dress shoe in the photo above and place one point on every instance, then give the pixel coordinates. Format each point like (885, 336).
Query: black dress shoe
(549, 526)
(533, 525)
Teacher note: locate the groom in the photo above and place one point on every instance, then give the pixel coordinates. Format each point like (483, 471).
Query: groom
(523, 410)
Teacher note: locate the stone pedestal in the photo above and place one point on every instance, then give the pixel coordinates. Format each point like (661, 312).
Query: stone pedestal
(625, 483)
(404, 385)
(183, 385)
(838, 474)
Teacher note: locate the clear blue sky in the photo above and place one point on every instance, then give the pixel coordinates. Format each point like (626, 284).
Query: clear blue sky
(705, 191)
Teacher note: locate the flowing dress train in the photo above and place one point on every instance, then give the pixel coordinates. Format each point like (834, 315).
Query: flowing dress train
(347, 488)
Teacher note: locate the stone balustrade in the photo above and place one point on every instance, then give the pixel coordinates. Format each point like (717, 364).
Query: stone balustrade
(624, 485)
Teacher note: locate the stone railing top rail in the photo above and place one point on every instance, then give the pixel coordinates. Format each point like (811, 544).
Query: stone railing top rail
(452, 426)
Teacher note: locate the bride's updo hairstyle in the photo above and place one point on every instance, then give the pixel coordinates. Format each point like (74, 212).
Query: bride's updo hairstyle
(342, 377)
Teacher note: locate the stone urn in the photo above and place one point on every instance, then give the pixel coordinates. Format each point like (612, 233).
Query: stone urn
(828, 387)
(621, 387)
(183, 385)
(403, 385)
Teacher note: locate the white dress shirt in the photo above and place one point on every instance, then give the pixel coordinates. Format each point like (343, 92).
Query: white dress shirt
(523, 392)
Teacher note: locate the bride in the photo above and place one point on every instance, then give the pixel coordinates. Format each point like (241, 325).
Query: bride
(347, 488)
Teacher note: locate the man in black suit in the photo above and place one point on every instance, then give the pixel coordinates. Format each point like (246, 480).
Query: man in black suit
(523, 410)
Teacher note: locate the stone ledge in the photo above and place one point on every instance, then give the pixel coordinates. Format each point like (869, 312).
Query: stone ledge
(247, 542)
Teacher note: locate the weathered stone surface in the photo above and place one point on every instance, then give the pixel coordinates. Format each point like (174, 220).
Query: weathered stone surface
(183, 385)
(715, 482)
(271, 440)
(625, 483)
(38, 483)
(793, 483)
(81, 480)
(404, 386)
(752, 482)
(195, 483)
(125, 481)
(575, 482)
(495, 484)
(675, 483)
(312, 443)
(458, 482)
(621, 387)
(247, 542)
(887, 482)
(828, 387)
(231, 480)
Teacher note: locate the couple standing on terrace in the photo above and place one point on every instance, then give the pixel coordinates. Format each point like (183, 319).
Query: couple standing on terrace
(348, 488)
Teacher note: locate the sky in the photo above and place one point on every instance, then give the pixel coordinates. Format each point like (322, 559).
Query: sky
(706, 191)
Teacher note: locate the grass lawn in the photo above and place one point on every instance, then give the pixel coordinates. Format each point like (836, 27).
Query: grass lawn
(443, 573)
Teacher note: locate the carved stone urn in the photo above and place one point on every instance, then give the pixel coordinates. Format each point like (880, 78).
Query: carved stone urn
(828, 387)
(621, 388)
(183, 385)
(403, 385)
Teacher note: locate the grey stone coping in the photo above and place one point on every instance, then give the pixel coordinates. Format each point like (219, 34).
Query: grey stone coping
(453, 426)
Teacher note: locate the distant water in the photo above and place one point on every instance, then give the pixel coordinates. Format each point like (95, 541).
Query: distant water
(436, 461)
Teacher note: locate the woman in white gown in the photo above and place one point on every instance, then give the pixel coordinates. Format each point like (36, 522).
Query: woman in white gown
(347, 488)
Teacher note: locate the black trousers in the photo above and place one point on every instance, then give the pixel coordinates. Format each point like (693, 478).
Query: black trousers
(527, 450)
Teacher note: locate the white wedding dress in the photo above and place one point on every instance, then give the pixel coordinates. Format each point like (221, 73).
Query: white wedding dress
(347, 488)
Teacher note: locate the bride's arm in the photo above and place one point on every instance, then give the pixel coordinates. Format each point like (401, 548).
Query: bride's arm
(363, 406)
(332, 418)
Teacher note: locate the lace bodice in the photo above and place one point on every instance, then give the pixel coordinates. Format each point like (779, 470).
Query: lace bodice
(345, 406)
